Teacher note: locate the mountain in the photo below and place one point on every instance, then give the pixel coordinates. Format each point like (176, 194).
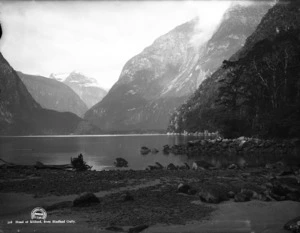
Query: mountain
(52, 94)
(20, 114)
(238, 22)
(257, 91)
(162, 77)
(86, 88)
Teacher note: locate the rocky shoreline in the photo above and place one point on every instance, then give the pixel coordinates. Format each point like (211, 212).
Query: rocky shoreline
(241, 145)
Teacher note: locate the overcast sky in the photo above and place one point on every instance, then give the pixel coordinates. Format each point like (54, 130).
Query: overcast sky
(95, 38)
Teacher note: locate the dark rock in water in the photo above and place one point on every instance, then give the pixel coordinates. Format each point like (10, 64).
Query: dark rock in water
(85, 199)
(193, 143)
(59, 205)
(201, 165)
(293, 225)
(145, 150)
(152, 167)
(114, 228)
(137, 229)
(213, 193)
(187, 166)
(159, 165)
(39, 164)
(154, 151)
(184, 167)
(171, 166)
(126, 197)
(120, 162)
(166, 149)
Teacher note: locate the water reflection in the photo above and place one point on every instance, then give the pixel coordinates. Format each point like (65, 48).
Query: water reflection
(100, 152)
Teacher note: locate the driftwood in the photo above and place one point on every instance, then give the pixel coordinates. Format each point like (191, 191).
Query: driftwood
(38, 165)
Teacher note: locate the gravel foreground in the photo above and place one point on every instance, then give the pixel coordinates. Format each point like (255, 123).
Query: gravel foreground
(150, 198)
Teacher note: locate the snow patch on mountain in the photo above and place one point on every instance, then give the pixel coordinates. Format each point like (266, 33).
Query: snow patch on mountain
(61, 77)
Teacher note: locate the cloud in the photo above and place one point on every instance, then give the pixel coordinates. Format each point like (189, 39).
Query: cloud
(96, 38)
(209, 16)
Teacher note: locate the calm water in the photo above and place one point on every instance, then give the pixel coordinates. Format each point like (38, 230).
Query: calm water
(101, 151)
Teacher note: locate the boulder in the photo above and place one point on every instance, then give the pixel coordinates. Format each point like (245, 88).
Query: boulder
(184, 167)
(241, 197)
(120, 162)
(166, 149)
(187, 166)
(171, 166)
(152, 167)
(213, 193)
(126, 197)
(85, 199)
(264, 197)
(159, 165)
(39, 164)
(293, 225)
(201, 165)
(183, 188)
(186, 189)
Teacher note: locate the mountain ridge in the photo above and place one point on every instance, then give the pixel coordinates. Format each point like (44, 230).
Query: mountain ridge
(155, 82)
(87, 88)
(20, 114)
(52, 94)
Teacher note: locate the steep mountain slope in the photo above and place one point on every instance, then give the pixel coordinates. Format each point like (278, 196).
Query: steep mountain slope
(256, 92)
(86, 88)
(158, 80)
(237, 24)
(54, 95)
(20, 114)
(144, 94)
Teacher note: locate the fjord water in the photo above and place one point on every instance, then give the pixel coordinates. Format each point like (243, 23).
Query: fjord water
(98, 151)
(101, 151)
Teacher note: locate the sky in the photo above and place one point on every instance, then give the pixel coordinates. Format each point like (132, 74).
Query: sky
(95, 38)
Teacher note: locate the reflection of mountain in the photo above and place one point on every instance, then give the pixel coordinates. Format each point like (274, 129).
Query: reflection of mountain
(256, 92)
(51, 94)
(21, 114)
(155, 82)
(86, 88)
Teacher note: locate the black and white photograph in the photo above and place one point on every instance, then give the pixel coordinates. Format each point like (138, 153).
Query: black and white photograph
(172, 116)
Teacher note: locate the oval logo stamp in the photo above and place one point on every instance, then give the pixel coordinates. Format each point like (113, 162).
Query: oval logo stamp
(38, 213)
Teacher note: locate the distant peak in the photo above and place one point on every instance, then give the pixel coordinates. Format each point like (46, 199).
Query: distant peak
(61, 77)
